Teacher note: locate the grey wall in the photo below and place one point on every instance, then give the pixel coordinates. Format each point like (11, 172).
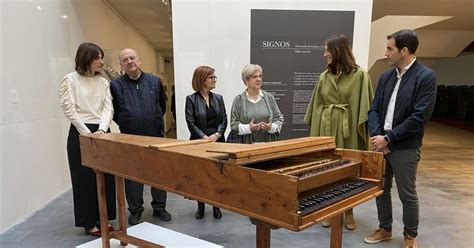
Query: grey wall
(455, 71)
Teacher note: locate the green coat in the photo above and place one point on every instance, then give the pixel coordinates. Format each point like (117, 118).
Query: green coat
(339, 108)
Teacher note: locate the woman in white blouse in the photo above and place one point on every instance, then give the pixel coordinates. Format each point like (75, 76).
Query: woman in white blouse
(87, 103)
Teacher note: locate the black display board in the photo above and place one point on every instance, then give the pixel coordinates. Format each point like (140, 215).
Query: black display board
(289, 45)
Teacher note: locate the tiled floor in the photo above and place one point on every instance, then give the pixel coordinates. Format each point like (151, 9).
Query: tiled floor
(445, 188)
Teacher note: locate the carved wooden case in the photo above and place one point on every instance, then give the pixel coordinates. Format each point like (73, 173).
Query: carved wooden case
(264, 181)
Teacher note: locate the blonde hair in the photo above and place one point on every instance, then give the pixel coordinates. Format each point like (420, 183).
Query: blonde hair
(249, 70)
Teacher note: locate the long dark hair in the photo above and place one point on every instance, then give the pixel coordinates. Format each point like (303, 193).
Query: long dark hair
(86, 53)
(341, 53)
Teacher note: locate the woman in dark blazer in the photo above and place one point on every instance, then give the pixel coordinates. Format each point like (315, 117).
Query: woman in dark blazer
(205, 116)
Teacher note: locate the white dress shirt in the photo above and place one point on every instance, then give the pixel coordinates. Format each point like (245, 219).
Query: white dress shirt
(391, 105)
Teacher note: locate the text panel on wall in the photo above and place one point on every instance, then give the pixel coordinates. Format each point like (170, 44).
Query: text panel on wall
(289, 45)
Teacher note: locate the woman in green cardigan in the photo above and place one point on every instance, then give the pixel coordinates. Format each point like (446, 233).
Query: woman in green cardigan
(255, 115)
(340, 103)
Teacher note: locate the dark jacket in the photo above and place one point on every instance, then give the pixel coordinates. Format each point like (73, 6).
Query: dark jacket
(196, 114)
(139, 105)
(413, 107)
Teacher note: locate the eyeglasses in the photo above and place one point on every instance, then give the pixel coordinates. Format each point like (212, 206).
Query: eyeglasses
(212, 77)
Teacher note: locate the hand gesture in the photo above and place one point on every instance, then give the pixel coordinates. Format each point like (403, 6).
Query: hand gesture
(253, 126)
(266, 126)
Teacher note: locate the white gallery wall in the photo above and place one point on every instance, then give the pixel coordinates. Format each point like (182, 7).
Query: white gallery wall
(217, 33)
(38, 42)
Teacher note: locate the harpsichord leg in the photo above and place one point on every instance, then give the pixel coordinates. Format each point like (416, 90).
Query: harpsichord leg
(104, 228)
(336, 231)
(263, 233)
(119, 184)
(263, 236)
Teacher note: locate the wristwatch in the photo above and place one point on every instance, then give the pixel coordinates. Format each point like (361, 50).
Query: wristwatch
(218, 135)
(386, 138)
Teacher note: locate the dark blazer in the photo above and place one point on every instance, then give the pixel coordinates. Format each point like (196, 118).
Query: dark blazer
(196, 114)
(139, 105)
(413, 107)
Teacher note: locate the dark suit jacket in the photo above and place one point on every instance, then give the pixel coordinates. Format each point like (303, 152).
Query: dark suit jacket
(196, 114)
(413, 107)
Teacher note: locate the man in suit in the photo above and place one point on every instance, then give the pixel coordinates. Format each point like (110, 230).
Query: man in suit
(404, 101)
(139, 105)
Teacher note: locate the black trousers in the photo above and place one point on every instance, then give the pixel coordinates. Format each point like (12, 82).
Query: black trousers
(84, 186)
(134, 195)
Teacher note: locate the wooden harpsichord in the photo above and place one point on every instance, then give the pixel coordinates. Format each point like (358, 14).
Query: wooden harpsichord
(291, 184)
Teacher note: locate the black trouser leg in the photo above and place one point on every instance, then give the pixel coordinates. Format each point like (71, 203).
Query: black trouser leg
(134, 195)
(384, 201)
(84, 186)
(159, 199)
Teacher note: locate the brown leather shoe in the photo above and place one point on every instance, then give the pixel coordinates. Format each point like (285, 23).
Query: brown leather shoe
(378, 236)
(409, 242)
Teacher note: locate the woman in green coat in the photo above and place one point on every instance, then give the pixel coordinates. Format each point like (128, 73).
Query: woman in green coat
(340, 103)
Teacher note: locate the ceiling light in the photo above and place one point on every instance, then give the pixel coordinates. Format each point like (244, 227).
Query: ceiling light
(64, 16)
(38, 7)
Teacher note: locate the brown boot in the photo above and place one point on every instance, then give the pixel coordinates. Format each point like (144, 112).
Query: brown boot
(349, 221)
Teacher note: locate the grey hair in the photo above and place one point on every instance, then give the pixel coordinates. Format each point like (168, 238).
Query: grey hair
(249, 70)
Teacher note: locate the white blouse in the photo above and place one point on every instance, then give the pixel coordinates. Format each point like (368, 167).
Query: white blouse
(86, 100)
